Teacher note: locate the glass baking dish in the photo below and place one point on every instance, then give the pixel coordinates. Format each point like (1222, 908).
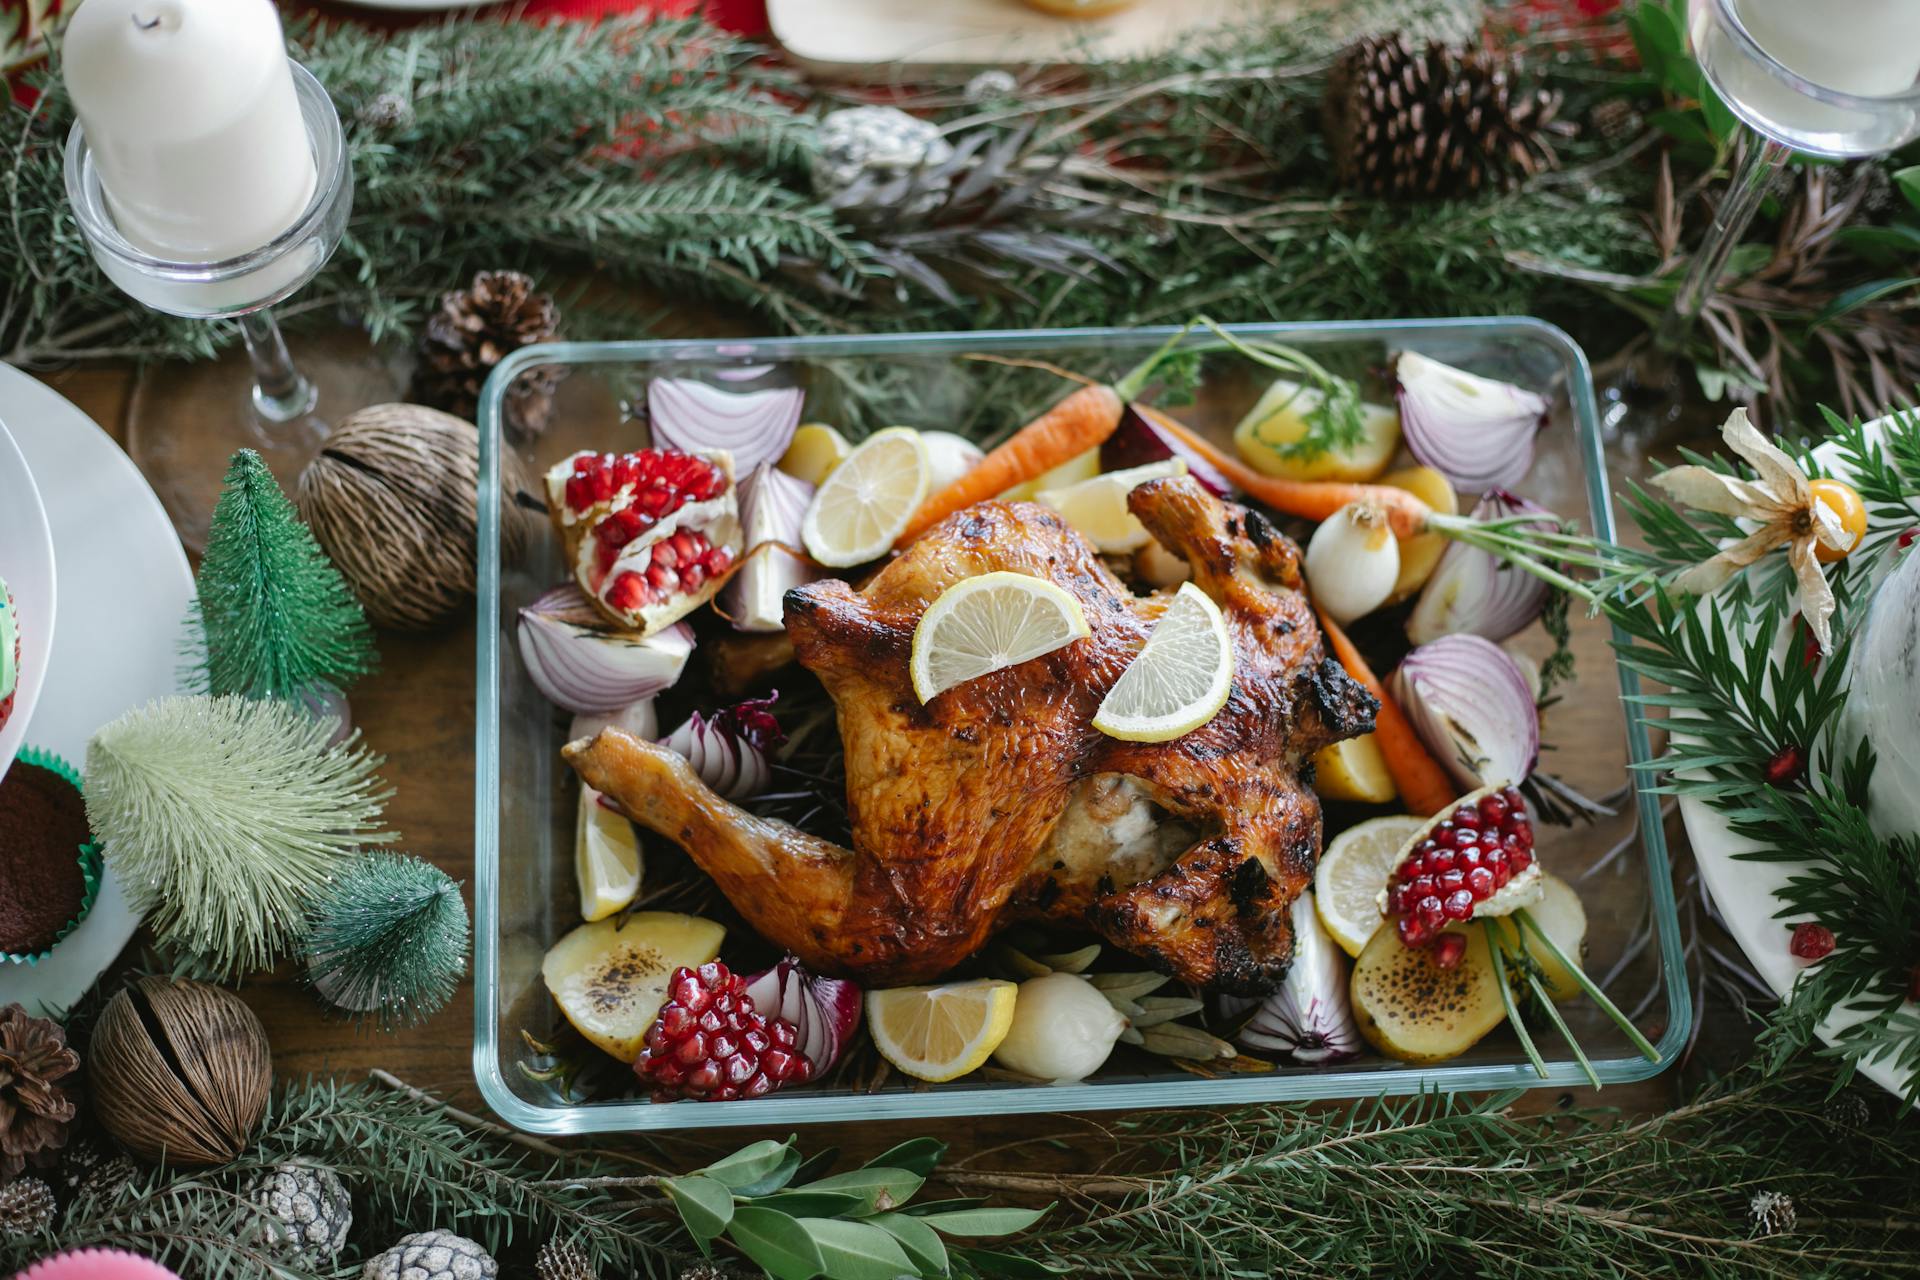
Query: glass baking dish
(525, 799)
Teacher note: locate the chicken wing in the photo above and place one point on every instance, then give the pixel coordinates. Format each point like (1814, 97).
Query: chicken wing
(998, 801)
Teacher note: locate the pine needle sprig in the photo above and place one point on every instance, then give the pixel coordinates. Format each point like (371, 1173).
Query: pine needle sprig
(272, 617)
(388, 939)
(222, 815)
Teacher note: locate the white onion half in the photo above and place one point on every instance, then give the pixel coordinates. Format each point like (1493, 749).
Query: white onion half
(584, 664)
(1473, 708)
(755, 426)
(1475, 431)
(1474, 591)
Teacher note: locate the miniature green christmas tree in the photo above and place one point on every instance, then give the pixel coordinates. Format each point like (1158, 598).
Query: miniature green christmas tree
(224, 816)
(388, 939)
(274, 618)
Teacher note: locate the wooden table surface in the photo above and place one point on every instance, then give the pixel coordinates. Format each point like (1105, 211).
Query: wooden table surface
(419, 713)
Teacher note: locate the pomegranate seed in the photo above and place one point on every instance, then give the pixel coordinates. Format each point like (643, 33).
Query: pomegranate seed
(1452, 881)
(1430, 910)
(719, 560)
(692, 1050)
(1412, 932)
(1519, 860)
(1449, 949)
(1444, 860)
(1458, 906)
(1480, 883)
(1423, 886)
(1811, 941)
(1466, 816)
(1464, 836)
(579, 492)
(661, 578)
(1904, 541)
(583, 463)
(1469, 859)
(663, 553)
(1785, 766)
(1493, 810)
(693, 577)
(629, 592)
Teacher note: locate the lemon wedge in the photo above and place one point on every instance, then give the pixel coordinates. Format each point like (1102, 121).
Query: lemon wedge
(1352, 871)
(1179, 681)
(1081, 466)
(979, 625)
(1097, 508)
(1354, 769)
(815, 450)
(863, 504)
(941, 1033)
(606, 858)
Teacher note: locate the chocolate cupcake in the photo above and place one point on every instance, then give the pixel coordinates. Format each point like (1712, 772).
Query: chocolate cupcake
(9, 652)
(49, 865)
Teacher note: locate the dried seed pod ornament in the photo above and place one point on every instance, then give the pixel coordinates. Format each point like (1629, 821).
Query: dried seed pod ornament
(394, 498)
(179, 1071)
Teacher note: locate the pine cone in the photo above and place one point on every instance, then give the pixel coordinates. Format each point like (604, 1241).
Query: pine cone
(473, 330)
(432, 1255)
(305, 1211)
(106, 1180)
(26, 1207)
(564, 1260)
(34, 1111)
(1436, 123)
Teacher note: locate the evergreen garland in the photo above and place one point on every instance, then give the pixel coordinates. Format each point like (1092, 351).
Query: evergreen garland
(222, 815)
(274, 617)
(1428, 1186)
(388, 938)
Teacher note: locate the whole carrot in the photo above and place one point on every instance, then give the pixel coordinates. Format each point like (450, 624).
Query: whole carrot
(1076, 424)
(1424, 786)
(1310, 499)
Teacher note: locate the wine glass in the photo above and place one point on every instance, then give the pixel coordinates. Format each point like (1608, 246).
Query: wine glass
(182, 440)
(1832, 78)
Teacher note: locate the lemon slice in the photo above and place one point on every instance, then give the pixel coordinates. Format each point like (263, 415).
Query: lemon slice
(939, 1033)
(1355, 769)
(1352, 871)
(863, 504)
(1179, 680)
(815, 450)
(1097, 508)
(606, 858)
(979, 625)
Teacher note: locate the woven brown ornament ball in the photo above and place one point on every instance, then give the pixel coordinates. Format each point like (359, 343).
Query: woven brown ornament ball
(393, 497)
(179, 1071)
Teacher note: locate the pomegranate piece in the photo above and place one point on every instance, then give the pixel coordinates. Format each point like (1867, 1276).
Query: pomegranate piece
(711, 1045)
(650, 534)
(1811, 941)
(1472, 861)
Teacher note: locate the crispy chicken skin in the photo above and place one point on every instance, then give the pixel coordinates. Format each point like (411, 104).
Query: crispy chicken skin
(999, 801)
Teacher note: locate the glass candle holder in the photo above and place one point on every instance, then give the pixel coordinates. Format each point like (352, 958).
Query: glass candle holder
(186, 460)
(1740, 46)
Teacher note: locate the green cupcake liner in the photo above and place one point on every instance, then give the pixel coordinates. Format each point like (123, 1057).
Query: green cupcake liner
(91, 862)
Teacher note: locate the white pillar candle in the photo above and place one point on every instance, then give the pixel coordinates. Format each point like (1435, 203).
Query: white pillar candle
(191, 118)
(1866, 47)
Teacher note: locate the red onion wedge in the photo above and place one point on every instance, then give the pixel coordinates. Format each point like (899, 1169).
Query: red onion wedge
(824, 1011)
(1139, 440)
(729, 749)
(1309, 1018)
(773, 506)
(583, 663)
(1476, 592)
(1473, 708)
(754, 426)
(1476, 432)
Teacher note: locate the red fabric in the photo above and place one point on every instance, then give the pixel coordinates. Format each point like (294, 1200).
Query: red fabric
(747, 17)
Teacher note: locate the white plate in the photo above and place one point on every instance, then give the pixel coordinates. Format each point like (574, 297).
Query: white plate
(1748, 893)
(26, 566)
(120, 623)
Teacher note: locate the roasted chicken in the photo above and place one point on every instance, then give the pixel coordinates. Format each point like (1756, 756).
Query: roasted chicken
(998, 801)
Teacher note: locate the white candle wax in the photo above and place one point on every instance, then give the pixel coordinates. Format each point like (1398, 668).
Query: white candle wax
(1865, 47)
(192, 122)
